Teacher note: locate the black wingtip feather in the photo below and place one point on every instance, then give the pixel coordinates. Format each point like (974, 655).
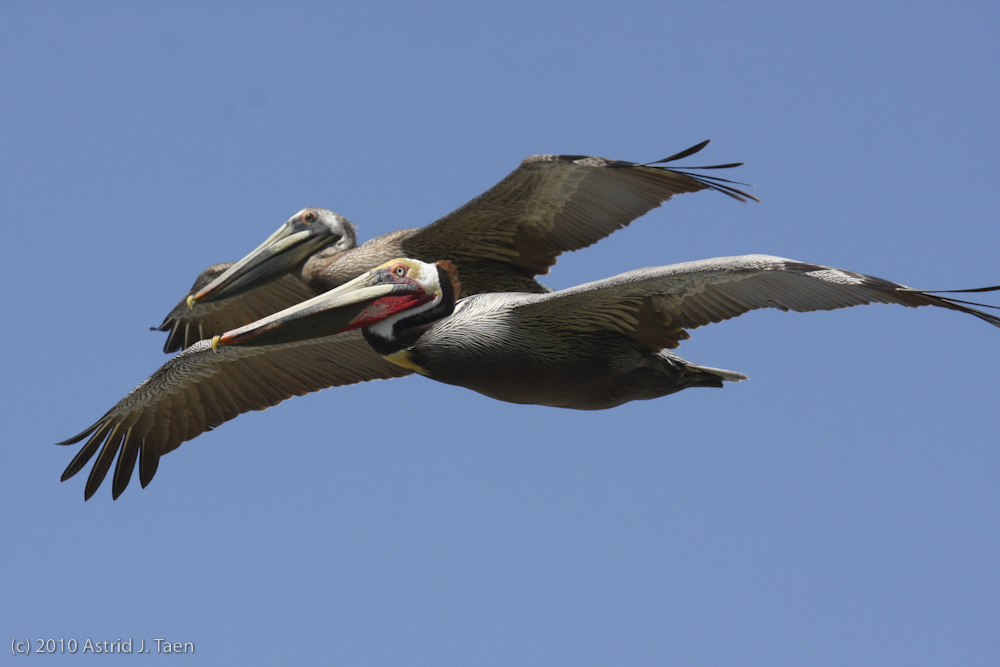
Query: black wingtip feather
(103, 463)
(77, 438)
(680, 156)
(82, 457)
(731, 165)
(711, 182)
(172, 344)
(964, 306)
(969, 307)
(719, 184)
(960, 291)
(149, 461)
(125, 466)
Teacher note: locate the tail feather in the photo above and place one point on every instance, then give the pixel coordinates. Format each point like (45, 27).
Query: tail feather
(726, 376)
(716, 375)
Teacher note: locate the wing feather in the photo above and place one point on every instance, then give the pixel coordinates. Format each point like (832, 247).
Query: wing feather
(125, 465)
(553, 204)
(200, 389)
(656, 306)
(105, 458)
(149, 461)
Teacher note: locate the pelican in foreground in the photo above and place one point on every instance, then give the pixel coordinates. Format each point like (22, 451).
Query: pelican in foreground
(499, 241)
(590, 347)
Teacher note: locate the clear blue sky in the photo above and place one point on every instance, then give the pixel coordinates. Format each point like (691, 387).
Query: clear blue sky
(841, 507)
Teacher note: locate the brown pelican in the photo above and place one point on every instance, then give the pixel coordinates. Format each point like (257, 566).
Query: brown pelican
(589, 347)
(499, 241)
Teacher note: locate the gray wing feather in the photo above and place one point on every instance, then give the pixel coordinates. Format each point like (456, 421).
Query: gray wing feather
(656, 306)
(186, 326)
(200, 389)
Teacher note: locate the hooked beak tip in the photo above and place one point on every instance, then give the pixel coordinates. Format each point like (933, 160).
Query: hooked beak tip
(191, 300)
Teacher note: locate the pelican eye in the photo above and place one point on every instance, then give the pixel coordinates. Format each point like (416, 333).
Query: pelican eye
(309, 218)
(399, 270)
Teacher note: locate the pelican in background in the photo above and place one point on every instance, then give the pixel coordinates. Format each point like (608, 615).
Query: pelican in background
(499, 241)
(589, 347)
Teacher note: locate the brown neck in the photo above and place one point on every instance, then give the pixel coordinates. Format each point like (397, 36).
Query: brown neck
(326, 270)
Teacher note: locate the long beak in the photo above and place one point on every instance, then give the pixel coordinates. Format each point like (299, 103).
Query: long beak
(350, 306)
(272, 259)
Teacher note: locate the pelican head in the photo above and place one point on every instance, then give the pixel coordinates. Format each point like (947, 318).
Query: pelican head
(305, 233)
(403, 290)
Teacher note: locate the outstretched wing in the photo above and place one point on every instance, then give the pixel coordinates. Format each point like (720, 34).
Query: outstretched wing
(657, 306)
(553, 204)
(189, 325)
(201, 388)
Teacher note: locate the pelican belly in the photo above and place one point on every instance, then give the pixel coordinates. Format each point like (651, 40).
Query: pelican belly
(556, 367)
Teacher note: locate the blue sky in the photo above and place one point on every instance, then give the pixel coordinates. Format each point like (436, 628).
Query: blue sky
(841, 507)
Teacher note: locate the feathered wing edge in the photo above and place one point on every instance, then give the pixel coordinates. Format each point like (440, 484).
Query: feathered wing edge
(658, 306)
(711, 182)
(551, 204)
(201, 388)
